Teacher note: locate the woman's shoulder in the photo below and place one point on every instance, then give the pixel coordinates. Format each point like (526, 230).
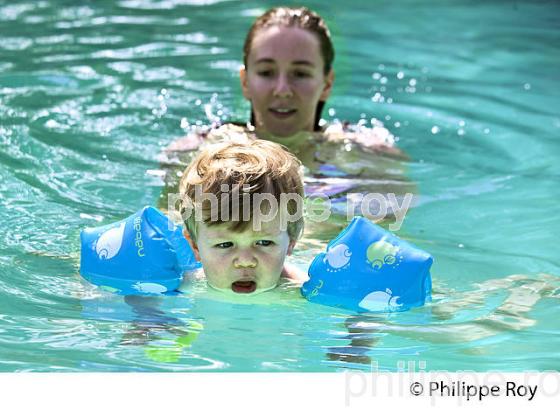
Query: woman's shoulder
(377, 139)
(233, 131)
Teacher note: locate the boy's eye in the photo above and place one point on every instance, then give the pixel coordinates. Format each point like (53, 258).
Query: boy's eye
(265, 242)
(224, 245)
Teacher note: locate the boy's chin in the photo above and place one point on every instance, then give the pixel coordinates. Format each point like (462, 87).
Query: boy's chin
(243, 288)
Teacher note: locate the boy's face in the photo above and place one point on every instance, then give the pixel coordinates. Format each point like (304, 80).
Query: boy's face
(242, 262)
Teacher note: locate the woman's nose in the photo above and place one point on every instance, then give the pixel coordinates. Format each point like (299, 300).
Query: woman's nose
(282, 87)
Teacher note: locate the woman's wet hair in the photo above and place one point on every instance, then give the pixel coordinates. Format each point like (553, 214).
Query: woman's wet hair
(303, 18)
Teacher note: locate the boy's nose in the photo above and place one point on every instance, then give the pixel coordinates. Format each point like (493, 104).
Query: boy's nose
(245, 260)
(282, 88)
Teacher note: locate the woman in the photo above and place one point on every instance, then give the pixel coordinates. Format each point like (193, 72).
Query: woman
(288, 76)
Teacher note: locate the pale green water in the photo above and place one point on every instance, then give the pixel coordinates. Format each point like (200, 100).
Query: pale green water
(474, 89)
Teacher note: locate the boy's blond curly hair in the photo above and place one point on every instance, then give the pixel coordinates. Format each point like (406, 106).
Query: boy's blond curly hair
(230, 171)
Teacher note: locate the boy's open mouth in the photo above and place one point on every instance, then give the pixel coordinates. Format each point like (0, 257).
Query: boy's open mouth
(244, 286)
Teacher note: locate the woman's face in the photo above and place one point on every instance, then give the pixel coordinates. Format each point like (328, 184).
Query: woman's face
(284, 80)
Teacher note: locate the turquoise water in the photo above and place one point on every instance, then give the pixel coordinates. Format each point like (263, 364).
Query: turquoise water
(90, 95)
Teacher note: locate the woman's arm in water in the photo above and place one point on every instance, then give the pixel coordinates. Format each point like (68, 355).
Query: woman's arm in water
(189, 142)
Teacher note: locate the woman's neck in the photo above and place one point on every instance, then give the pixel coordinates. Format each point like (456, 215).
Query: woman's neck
(303, 144)
(293, 142)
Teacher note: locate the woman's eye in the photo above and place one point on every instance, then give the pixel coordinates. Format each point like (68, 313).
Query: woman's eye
(264, 242)
(265, 73)
(224, 245)
(301, 74)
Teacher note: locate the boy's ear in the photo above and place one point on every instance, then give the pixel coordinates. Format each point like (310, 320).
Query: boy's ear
(291, 247)
(244, 84)
(192, 243)
(329, 80)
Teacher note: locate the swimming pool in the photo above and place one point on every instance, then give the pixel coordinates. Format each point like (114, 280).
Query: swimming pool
(91, 94)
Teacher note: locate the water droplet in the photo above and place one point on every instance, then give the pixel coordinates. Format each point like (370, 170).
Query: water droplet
(387, 118)
(412, 82)
(376, 76)
(487, 130)
(461, 245)
(435, 129)
(461, 131)
(383, 80)
(332, 112)
(527, 86)
(400, 75)
(197, 102)
(461, 123)
(397, 124)
(381, 67)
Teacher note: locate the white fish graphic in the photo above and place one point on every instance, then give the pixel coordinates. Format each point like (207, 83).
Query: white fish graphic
(110, 242)
(380, 301)
(147, 287)
(338, 256)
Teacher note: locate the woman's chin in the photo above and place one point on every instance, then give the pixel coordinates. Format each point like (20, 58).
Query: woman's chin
(280, 129)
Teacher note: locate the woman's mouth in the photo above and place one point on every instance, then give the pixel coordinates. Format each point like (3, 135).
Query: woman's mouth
(244, 286)
(282, 113)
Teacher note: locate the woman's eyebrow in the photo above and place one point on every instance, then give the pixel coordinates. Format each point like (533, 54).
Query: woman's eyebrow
(303, 62)
(267, 60)
(264, 61)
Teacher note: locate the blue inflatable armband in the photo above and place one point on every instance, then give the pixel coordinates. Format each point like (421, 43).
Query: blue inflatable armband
(367, 269)
(145, 253)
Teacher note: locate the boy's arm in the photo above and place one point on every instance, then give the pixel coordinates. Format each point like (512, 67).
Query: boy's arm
(294, 274)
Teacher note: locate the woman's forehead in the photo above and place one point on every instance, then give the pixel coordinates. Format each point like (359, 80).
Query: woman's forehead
(285, 44)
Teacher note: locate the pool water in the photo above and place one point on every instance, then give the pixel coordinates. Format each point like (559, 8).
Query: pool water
(91, 94)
